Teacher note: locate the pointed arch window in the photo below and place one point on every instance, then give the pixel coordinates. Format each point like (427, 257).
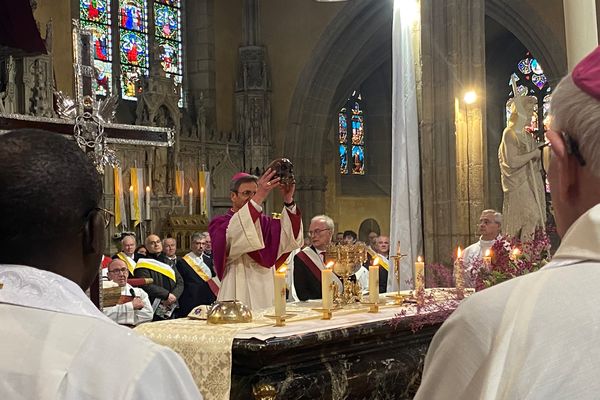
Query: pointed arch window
(140, 28)
(351, 136)
(531, 81)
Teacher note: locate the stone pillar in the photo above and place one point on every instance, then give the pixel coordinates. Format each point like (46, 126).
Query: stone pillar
(452, 135)
(200, 58)
(581, 29)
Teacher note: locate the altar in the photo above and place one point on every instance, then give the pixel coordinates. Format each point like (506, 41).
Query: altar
(356, 354)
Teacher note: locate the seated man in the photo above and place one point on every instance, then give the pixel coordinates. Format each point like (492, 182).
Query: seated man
(135, 311)
(170, 251)
(207, 251)
(55, 343)
(490, 225)
(168, 283)
(127, 253)
(201, 286)
(247, 244)
(380, 248)
(350, 237)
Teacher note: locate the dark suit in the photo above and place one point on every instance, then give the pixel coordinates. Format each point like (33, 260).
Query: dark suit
(306, 284)
(196, 290)
(208, 260)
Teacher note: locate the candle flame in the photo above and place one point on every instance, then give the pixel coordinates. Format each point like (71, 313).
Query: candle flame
(488, 253)
(516, 252)
(376, 261)
(329, 264)
(191, 190)
(202, 190)
(419, 259)
(147, 188)
(458, 252)
(131, 188)
(282, 269)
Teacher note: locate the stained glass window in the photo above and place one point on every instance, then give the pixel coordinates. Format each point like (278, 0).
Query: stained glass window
(531, 81)
(136, 38)
(167, 32)
(352, 148)
(95, 16)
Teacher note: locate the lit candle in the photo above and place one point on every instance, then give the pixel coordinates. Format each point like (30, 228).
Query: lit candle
(280, 287)
(374, 281)
(459, 274)
(131, 203)
(419, 274)
(326, 290)
(201, 199)
(515, 253)
(148, 203)
(487, 258)
(191, 199)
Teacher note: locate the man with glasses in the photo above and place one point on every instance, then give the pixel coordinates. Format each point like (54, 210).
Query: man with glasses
(524, 205)
(135, 311)
(55, 342)
(536, 336)
(309, 262)
(490, 225)
(246, 244)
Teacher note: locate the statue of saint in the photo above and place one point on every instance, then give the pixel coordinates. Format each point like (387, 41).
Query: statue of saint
(524, 206)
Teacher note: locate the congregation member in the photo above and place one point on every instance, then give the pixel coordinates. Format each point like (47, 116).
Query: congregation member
(350, 237)
(167, 283)
(207, 257)
(310, 261)
(170, 251)
(380, 249)
(141, 250)
(536, 336)
(246, 244)
(201, 286)
(55, 342)
(371, 239)
(135, 311)
(128, 254)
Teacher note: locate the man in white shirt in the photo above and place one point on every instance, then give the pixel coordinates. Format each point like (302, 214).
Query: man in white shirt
(490, 225)
(130, 313)
(55, 343)
(537, 336)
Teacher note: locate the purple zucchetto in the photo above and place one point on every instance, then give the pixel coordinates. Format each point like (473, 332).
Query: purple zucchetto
(586, 74)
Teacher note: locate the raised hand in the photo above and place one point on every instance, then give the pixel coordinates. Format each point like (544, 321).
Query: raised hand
(265, 183)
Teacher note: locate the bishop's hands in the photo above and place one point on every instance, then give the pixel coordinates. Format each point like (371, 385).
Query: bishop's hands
(267, 182)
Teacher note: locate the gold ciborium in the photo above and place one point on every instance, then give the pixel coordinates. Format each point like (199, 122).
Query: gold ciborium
(347, 260)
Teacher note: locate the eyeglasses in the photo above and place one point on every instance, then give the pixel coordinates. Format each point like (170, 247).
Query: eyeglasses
(247, 193)
(106, 214)
(317, 232)
(118, 271)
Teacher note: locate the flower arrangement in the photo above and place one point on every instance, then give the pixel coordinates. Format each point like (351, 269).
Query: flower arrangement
(511, 257)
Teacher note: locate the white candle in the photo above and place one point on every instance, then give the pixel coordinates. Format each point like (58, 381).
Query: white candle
(131, 202)
(191, 200)
(280, 287)
(419, 274)
(201, 199)
(148, 203)
(326, 281)
(487, 258)
(458, 274)
(374, 281)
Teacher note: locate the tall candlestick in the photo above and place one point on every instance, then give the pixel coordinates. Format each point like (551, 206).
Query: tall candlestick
(201, 199)
(148, 203)
(419, 275)
(280, 292)
(131, 203)
(326, 290)
(374, 281)
(459, 281)
(191, 200)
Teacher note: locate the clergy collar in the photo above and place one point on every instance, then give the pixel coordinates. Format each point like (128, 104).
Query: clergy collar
(581, 240)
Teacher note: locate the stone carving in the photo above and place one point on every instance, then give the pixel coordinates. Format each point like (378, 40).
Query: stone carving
(8, 94)
(524, 206)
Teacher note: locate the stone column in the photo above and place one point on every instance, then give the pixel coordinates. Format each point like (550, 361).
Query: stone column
(452, 134)
(581, 29)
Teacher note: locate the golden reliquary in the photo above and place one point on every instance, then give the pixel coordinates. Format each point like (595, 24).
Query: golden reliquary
(347, 260)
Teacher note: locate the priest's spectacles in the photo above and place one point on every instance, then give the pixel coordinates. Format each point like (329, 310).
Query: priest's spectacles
(106, 215)
(317, 231)
(570, 145)
(247, 193)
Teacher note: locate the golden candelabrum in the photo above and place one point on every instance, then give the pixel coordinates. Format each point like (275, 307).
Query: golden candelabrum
(347, 260)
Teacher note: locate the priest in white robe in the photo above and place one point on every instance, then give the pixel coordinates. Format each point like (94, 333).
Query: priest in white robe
(246, 244)
(537, 336)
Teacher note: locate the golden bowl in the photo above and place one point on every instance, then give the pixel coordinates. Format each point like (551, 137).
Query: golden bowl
(229, 312)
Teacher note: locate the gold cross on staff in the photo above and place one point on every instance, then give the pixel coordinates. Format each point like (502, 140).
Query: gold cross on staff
(399, 256)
